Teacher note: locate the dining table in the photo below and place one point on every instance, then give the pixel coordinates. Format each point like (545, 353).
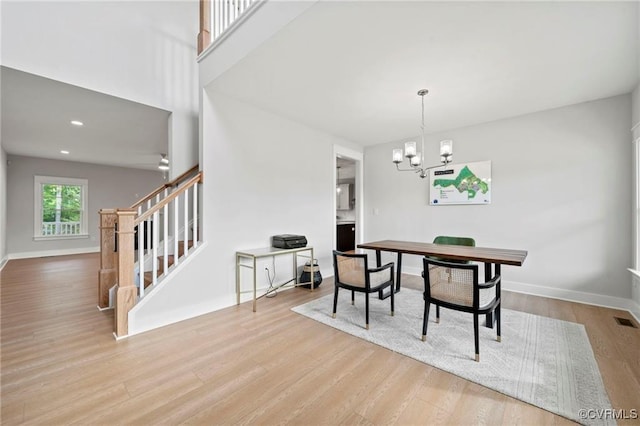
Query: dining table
(492, 258)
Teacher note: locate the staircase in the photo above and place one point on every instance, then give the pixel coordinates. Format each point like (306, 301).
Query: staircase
(141, 245)
(148, 276)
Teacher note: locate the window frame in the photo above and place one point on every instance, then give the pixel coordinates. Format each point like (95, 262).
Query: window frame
(38, 182)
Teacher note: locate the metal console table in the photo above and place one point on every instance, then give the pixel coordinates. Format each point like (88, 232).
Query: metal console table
(254, 254)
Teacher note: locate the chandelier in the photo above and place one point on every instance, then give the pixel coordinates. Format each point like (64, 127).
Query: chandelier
(416, 159)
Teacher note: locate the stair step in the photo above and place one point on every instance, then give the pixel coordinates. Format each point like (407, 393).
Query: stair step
(148, 277)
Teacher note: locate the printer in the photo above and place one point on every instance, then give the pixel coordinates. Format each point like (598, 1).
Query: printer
(288, 241)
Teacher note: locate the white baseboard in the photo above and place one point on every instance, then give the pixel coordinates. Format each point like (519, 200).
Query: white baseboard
(47, 253)
(571, 295)
(3, 262)
(562, 294)
(172, 317)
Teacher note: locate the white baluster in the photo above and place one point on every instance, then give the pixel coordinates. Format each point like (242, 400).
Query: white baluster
(195, 215)
(154, 250)
(186, 223)
(141, 257)
(216, 19)
(225, 15)
(148, 230)
(165, 242)
(176, 237)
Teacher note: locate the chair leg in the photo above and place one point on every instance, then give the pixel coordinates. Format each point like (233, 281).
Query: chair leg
(353, 297)
(437, 314)
(475, 336)
(425, 320)
(335, 301)
(498, 322)
(366, 299)
(392, 300)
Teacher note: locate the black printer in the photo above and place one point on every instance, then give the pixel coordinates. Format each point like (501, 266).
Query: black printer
(288, 241)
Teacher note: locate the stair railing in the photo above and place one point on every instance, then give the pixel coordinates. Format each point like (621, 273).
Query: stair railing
(108, 273)
(218, 17)
(157, 194)
(143, 231)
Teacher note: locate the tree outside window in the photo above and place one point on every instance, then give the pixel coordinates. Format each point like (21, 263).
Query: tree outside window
(60, 207)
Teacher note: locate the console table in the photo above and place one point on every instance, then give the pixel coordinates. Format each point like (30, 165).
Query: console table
(254, 254)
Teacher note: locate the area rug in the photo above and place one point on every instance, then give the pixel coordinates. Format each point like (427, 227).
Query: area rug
(545, 362)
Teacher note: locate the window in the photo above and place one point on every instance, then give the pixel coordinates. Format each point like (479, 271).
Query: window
(60, 208)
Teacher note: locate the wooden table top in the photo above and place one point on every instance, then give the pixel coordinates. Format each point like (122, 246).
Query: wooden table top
(478, 254)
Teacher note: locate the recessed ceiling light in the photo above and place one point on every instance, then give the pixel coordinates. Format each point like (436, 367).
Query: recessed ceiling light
(64, 152)
(77, 123)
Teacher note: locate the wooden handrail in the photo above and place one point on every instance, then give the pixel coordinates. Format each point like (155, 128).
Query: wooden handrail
(146, 215)
(161, 188)
(177, 181)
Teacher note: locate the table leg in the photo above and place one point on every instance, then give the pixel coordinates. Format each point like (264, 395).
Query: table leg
(254, 284)
(237, 279)
(398, 272)
(384, 294)
(487, 276)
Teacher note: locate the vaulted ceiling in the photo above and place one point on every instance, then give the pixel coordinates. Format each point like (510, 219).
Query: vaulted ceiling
(353, 69)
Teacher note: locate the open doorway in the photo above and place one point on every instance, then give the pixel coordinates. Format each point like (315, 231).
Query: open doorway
(348, 199)
(345, 204)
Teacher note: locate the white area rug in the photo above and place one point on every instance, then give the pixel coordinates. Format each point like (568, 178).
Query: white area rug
(546, 362)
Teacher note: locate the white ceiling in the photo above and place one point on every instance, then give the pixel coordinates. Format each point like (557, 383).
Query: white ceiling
(36, 115)
(347, 168)
(353, 69)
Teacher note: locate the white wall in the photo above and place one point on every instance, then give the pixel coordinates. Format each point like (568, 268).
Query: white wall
(137, 50)
(635, 121)
(3, 206)
(561, 185)
(3, 185)
(264, 175)
(109, 187)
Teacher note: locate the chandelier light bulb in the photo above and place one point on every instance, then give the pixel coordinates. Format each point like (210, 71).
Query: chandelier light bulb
(446, 147)
(397, 155)
(410, 149)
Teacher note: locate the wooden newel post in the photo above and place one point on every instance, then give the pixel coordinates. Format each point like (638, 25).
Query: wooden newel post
(127, 292)
(204, 36)
(108, 263)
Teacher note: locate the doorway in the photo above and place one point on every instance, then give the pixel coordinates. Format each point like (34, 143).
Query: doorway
(348, 199)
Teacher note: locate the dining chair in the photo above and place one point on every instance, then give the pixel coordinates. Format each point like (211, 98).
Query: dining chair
(352, 272)
(454, 241)
(455, 286)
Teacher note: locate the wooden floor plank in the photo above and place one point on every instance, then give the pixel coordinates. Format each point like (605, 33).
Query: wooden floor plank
(60, 364)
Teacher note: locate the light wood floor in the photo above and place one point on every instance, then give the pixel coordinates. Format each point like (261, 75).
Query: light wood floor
(61, 365)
